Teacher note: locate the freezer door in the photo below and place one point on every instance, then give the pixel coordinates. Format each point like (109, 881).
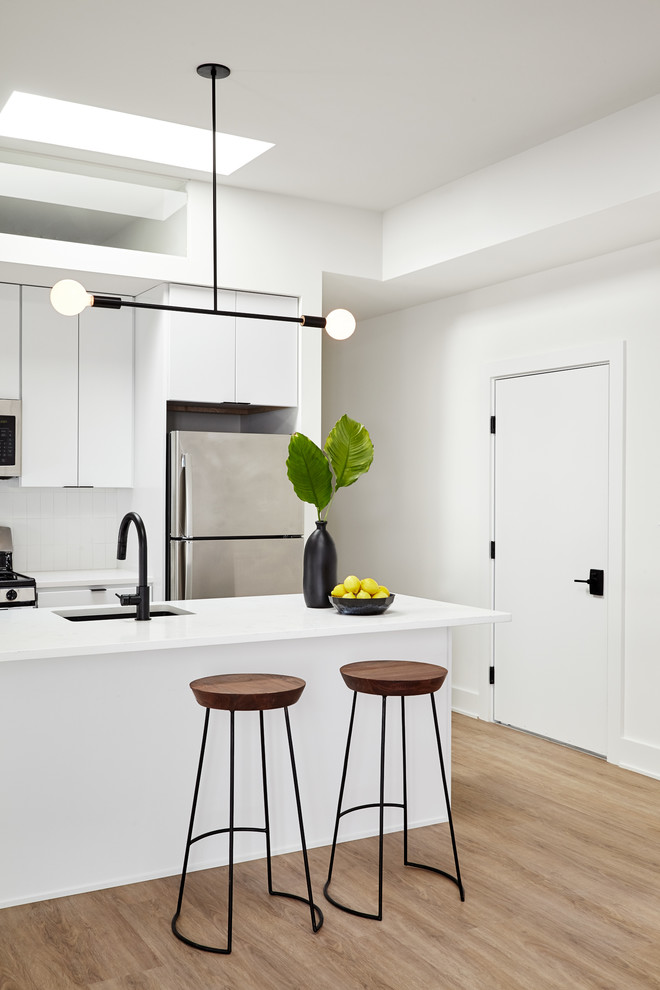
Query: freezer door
(235, 568)
(231, 484)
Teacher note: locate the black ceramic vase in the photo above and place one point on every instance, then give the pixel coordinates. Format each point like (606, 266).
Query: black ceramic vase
(319, 567)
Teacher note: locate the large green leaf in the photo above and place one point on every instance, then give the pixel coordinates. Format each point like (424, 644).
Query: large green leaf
(350, 450)
(308, 471)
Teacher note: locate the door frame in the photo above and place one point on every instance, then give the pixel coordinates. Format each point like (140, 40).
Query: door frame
(611, 353)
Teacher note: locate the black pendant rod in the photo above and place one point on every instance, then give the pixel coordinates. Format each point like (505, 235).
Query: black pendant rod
(116, 302)
(215, 195)
(213, 71)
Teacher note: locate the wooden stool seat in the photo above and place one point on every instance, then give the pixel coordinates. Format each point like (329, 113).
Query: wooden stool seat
(247, 692)
(398, 678)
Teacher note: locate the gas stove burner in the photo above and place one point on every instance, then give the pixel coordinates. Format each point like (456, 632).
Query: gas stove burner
(9, 576)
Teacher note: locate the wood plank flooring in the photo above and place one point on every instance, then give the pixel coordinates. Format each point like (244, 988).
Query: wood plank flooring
(560, 856)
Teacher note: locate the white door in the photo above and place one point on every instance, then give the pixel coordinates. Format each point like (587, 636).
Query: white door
(550, 529)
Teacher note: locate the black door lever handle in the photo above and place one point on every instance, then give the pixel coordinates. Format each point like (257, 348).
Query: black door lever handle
(596, 582)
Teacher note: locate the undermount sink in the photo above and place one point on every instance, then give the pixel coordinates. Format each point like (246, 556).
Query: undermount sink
(117, 612)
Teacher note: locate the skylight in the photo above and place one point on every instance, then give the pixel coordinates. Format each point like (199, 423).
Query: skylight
(78, 127)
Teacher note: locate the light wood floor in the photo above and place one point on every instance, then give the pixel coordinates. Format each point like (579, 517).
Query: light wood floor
(560, 855)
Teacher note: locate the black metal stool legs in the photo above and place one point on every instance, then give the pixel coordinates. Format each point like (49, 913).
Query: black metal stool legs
(190, 840)
(316, 915)
(421, 866)
(340, 800)
(315, 912)
(382, 804)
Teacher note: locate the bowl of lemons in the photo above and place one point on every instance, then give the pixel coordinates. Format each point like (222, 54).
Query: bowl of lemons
(360, 596)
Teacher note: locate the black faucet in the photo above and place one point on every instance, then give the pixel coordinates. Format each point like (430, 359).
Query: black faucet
(141, 596)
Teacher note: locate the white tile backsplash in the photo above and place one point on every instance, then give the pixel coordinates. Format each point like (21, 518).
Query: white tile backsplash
(61, 529)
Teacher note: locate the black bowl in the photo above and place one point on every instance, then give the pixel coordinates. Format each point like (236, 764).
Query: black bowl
(361, 606)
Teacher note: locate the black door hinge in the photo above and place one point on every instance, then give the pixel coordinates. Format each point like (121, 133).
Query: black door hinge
(491, 675)
(492, 549)
(492, 424)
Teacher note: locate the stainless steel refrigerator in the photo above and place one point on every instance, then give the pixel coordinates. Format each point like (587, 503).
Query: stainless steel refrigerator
(235, 522)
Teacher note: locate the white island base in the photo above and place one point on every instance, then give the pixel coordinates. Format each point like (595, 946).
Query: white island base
(100, 735)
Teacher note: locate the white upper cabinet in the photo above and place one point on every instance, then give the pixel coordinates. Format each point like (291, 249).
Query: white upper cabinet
(77, 390)
(50, 393)
(216, 359)
(202, 348)
(10, 336)
(266, 351)
(105, 398)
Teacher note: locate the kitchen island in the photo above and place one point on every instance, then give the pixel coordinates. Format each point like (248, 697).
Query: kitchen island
(100, 733)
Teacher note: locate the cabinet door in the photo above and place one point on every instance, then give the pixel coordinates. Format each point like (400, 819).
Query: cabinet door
(266, 351)
(67, 597)
(105, 398)
(10, 335)
(50, 392)
(202, 348)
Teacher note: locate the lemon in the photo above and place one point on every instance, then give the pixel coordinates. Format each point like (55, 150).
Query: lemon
(352, 583)
(338, 591)
(381, 594)
(386, 591)
(349, 594)
(363, 594)
(369, 585)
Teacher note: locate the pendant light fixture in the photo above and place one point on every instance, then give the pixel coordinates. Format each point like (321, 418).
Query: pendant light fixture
(70, 298)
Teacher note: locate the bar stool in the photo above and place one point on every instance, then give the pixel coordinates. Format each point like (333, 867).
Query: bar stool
(403, 679)
(245, 693)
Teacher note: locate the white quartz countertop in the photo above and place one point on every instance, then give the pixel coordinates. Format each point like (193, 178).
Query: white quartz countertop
(110, 577)
(28, 634)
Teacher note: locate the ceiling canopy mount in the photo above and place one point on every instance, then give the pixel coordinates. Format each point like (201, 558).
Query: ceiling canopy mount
(209, 69)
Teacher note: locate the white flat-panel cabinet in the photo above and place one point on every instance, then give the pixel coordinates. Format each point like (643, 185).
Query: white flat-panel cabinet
(10, 337)
(202, 360)
(219, 359)
(105, 398)
(266, 351)
(49, 393)
(77, 390)
(68, 597)
(85, 595)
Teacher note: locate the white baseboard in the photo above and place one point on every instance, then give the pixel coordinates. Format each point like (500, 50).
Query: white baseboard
(640, 757)
(465, 702)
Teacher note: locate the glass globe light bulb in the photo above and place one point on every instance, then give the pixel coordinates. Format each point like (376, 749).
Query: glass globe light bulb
(69, 297)
(339, 324)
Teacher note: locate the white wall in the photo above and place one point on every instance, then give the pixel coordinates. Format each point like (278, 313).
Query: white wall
(419, 520)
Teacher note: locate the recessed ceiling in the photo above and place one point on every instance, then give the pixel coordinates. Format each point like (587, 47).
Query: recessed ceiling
(369, 104)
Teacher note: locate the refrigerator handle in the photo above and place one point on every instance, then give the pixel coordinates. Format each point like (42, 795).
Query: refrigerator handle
(185, 495)
(186, 570)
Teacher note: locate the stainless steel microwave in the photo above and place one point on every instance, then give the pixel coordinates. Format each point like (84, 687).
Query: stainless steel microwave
(10, 438)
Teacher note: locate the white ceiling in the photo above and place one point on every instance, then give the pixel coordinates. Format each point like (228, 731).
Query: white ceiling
(369, 102)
